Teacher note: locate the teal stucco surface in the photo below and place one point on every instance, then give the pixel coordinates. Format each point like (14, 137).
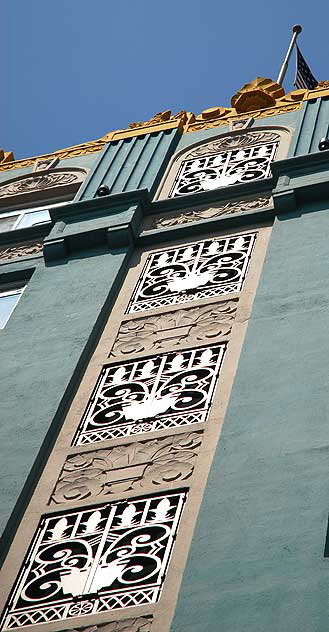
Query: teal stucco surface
(44, 347)
(257, 557)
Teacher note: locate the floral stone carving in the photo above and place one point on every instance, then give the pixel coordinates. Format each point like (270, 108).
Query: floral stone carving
(126, 467)
(226, 208)
(40, 181)
(204, 322)
(139, 624)
(237, 141)
(25, 249)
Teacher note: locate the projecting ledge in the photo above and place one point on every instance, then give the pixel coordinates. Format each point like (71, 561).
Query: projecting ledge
(84, 226)
(301, 179)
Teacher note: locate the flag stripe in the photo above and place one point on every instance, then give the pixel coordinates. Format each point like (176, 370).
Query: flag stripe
(304, 79)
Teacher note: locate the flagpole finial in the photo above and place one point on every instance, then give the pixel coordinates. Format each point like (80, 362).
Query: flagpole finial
(297, 28)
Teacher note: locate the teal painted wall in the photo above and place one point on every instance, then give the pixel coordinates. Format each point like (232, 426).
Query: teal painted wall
(256, 561)
(44, 347)
(50, 336)
(260, 535)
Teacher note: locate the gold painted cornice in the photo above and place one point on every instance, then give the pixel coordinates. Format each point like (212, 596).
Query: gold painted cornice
(155, 124)
(260, 98)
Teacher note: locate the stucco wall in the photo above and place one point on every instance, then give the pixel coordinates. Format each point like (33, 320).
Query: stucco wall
(43, 347)
(256, 561)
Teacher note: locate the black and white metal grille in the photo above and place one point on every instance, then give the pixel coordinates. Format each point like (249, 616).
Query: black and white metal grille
(162, 391)
(214, 171)
(103, 558)
(199, 270)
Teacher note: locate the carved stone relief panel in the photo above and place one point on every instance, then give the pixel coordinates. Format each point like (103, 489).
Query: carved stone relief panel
(96, 559)
(25, 249)
(190, 325)
(139, 624)
(43, 180)
(199, 270)
(153, 393)
(128, 467)
(233, 141)
(231, 207)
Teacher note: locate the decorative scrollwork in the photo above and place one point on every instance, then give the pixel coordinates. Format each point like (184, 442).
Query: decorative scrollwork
(161, 117)
(101, 558)
(21, 250)
(234, 141)
(162, 391)
(225, 208)
(192, 324)
(235, 159)
(39, 182)
(178, 275)
(127, 467)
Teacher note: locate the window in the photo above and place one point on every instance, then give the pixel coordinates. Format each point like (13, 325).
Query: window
(199, 270)
(214, 170)
(26, 218)
(155, 393)
(9, 297)
(96, 559)
(224, 161)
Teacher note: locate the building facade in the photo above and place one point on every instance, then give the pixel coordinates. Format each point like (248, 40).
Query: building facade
(164, 318)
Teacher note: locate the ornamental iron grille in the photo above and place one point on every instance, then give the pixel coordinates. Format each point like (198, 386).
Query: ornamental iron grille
(162, 391)
(200, 270)
(210, 168)
(94, 560)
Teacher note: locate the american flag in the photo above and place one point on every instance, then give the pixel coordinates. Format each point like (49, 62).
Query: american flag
(304, 77)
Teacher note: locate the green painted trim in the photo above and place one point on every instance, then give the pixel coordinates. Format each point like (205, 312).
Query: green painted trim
(300, 180)
(12, 237)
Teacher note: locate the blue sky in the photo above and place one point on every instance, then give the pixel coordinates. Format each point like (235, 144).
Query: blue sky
(72, 70)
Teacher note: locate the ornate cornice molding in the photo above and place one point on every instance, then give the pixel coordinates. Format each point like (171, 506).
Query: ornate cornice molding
(155, 124)
(70, 152)
(259, 98)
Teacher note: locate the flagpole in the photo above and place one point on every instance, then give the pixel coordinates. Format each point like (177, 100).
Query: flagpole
(296, 30)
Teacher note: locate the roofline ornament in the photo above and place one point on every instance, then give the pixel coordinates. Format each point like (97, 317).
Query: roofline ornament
(259, 98)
